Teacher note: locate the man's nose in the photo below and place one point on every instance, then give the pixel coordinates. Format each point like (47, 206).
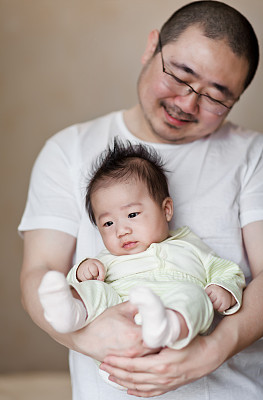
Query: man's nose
(189, 103)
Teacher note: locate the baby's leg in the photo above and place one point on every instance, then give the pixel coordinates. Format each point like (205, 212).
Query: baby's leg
(64, 312)
(160, 326)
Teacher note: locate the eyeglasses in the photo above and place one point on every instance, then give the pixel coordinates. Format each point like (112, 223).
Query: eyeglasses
(182, 88)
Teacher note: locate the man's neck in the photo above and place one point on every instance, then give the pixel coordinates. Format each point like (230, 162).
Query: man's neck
(136, 124)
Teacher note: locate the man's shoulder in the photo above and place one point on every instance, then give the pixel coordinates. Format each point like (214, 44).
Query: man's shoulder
(83, 141)
(87, 130)
(230, 131)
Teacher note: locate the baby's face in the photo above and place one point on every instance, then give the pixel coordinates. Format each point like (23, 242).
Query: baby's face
(128, 219)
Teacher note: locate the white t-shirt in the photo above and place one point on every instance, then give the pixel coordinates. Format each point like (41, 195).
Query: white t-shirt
(217, 187)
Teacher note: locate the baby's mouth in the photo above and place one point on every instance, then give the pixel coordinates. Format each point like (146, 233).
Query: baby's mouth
(129, 245)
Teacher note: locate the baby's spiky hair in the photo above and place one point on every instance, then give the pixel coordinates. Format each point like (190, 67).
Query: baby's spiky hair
(128, 162)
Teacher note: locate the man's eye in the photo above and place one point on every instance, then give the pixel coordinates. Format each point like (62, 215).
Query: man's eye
(133, 215)
(108, 223)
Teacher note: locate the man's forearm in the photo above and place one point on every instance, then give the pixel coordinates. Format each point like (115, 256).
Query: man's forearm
(238, 331)
(96, 340)
(30, 301)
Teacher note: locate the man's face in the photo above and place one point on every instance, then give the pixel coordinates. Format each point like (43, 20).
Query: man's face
(209, 66)
(128, 219)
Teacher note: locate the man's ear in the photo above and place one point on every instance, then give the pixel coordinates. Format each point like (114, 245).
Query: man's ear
(168, 208)
(152, 42)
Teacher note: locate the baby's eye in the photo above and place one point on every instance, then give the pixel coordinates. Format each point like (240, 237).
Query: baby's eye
(108, 223)
(133, 215)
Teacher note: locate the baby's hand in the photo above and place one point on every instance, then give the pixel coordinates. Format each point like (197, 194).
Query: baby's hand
(91, 269)
(221, 299)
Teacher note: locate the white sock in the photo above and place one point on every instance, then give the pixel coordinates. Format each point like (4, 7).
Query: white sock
(63, 312)
(160, 327)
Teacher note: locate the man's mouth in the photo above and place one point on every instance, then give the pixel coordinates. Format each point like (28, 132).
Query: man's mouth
(177, 116)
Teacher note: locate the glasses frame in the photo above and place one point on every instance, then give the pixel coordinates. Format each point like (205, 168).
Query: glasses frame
(190, 88)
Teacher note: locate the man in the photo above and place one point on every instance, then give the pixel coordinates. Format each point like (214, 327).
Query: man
(194, 71)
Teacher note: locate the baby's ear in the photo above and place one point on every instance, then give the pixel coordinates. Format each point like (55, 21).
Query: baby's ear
(168, 208)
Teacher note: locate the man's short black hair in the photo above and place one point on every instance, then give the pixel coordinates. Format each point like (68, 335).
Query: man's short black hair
(218, 21)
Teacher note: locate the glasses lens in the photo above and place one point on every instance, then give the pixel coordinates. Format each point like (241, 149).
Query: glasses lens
(180, 88)
(208, 104)
(176, 86)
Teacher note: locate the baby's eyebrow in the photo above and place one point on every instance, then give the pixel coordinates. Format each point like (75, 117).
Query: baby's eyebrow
(103, 215)
(135, 204)
(126, 206)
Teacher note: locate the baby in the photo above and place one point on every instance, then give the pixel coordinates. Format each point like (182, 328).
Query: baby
(173, 278)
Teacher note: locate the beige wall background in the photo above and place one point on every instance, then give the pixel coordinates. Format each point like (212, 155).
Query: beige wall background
(64, 62)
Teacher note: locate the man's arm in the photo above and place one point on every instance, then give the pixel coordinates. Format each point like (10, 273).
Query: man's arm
(46, 250)
(171, 369)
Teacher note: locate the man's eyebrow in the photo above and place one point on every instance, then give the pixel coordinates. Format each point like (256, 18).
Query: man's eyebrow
(221, 88)
(185, 68)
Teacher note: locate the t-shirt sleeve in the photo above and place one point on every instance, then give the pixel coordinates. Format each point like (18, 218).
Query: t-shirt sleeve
(52, 201)
(251, 198)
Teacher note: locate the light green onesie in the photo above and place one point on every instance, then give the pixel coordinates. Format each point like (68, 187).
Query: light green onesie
(177, 269)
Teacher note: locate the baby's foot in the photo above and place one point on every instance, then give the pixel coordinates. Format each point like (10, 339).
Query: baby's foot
(160, 327)
(63, 312)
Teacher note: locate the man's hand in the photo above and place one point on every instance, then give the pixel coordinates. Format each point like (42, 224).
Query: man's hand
(113, 332)
(156, 374)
